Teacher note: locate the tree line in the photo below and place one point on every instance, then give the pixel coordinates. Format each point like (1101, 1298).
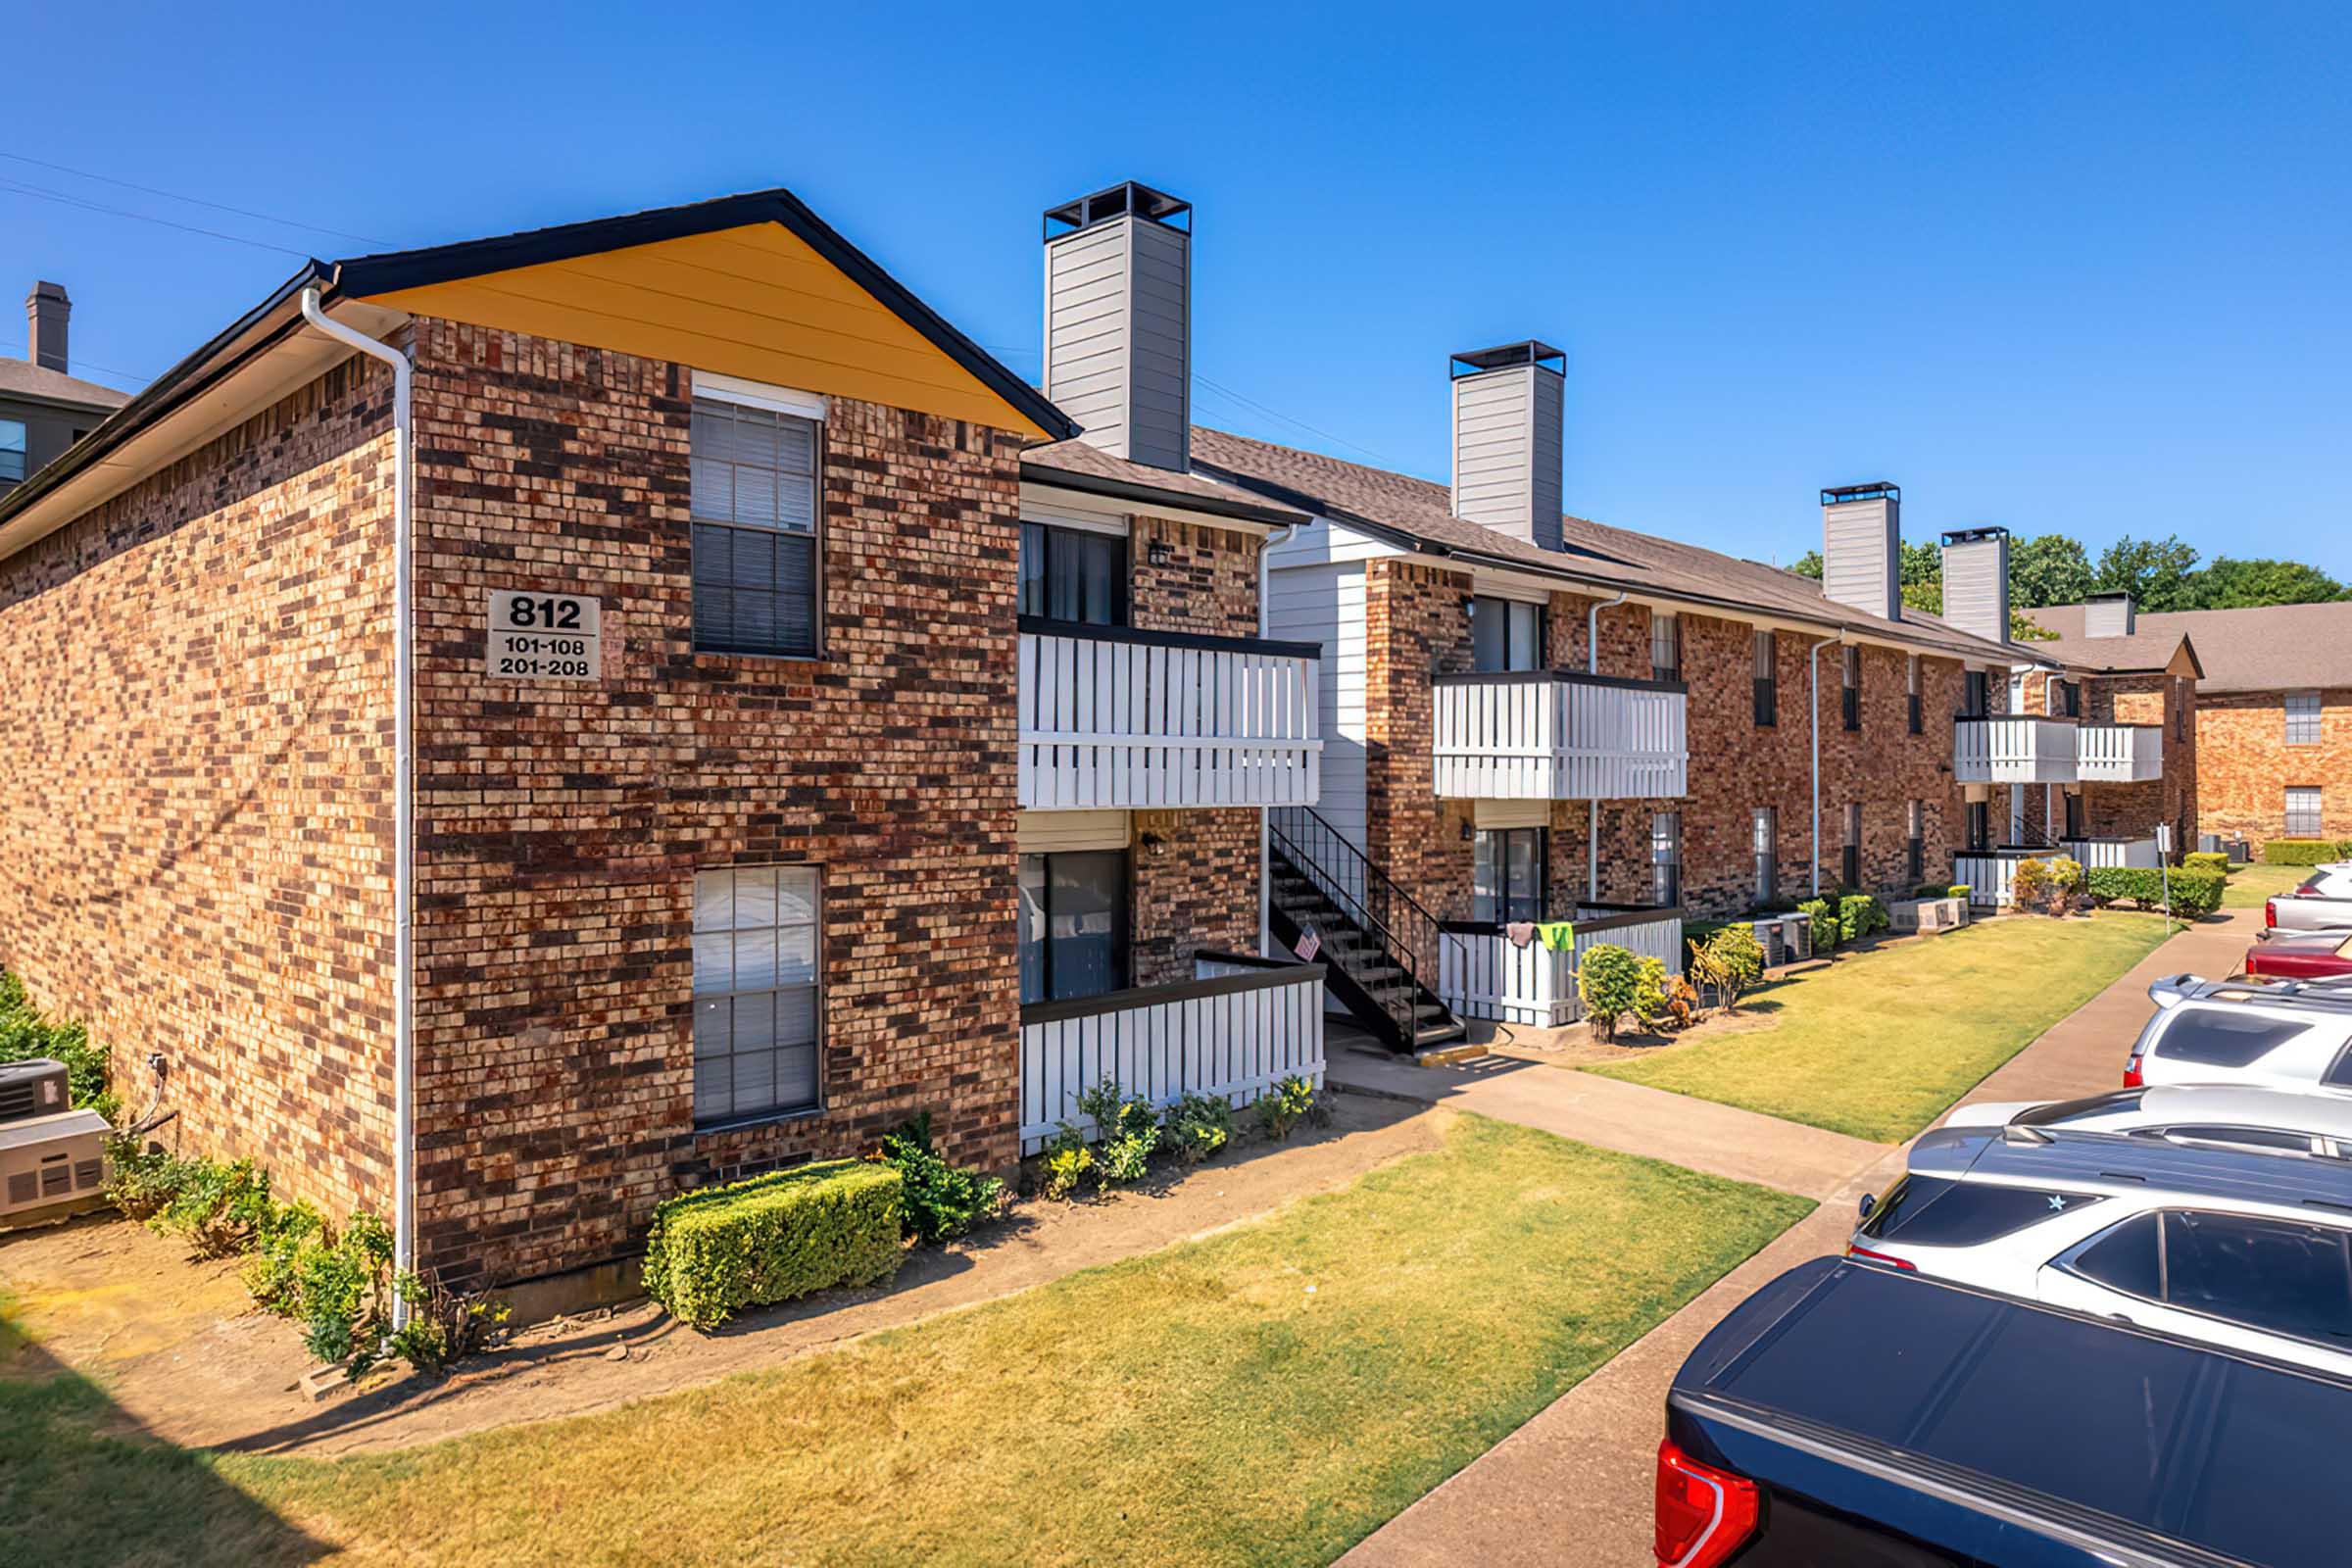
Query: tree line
(2160, 574)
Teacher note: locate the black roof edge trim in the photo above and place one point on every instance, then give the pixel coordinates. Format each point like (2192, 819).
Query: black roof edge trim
(1146, 637)
(1137, 491)
(191, 375)
(389, 272)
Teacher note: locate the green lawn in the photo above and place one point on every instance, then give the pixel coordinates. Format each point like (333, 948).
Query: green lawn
(1879, 1044)
(2249, 885)
(1269, 1395)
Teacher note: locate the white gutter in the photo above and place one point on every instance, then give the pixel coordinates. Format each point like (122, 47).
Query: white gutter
(1593, 807)
(404, 793)
(1813, 673)
(1265, 837)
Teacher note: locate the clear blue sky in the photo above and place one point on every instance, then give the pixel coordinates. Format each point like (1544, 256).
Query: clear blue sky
(2080, 266)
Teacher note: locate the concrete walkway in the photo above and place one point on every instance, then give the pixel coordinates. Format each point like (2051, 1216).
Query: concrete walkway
(1574, 1485)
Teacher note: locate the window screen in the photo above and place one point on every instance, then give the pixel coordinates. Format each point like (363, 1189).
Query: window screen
(1665, 646)
(1072, 574)
(755, 503)
(2303, 813)
(1767, 680)
(1666, 858)
(1505, 634)
(2216, 1037)
(755, 991)
(2302, 719)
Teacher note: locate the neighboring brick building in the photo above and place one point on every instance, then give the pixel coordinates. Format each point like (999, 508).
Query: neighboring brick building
(734, 681)
(2273, 709)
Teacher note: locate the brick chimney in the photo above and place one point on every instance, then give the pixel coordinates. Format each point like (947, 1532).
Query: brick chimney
(1976, 581)
(1119, 321)
(1508, 458)
(1861, 548)
(2109, 616)
(46, 310)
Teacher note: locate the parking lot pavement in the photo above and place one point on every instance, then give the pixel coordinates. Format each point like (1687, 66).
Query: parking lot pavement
(1573, 1487)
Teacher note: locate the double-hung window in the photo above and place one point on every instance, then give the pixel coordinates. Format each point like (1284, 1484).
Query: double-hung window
(1915, 843)
(1851, 693)
(2070, 693)
(757, 567)
(2302, 719)
(1506, 876)
(1977, 694)
(1073, 924)
(2302, 811)
(756, 1005)
(1850, 857)
(1915, 718)
(1666, 858)
(2074, 815)
(1073, 574)
(1766, 831)
(1768, 690)
(12, 451)
(1505, 635)
(1665, 644)
(1980, 826)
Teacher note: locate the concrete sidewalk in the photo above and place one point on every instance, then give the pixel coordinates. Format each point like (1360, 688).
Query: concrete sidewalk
(1573, 1487)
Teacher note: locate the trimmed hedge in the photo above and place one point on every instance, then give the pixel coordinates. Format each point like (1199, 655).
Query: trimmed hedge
(2194, 893)
(2305, 851)
(2206, 861)
(715, 1252)
(1860, 915)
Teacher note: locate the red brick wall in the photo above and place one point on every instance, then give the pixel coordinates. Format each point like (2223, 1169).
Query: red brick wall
(1416, 622)
(1195, 885)
(2244, 765)
(2133, 810)
(559, 826)
(1208, 583)
(195, 797)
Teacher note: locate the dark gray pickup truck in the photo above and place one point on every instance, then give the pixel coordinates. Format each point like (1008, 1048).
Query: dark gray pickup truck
(1851, 1414)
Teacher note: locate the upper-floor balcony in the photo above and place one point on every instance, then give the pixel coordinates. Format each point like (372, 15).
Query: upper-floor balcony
(2024, 748)
(1557, 735)
(1117, 717)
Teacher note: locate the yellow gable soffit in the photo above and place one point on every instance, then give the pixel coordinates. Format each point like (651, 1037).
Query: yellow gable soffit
(756, 302)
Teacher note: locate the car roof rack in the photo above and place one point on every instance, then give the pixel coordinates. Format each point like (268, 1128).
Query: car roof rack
(2195, 1170)
(2319, 994)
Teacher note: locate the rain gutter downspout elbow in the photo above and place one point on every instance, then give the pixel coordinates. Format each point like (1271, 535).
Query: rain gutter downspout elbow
(1593, 807)
(404, 792)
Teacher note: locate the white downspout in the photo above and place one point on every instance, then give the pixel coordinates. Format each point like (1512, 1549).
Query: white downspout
(1593, 807)
(1265, 814)
(404, 795)
(1813, 674)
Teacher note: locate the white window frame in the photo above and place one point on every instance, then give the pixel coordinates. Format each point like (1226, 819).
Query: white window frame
(2317, 817)
(760, 395)
(1666, 632)
(705, 943)
(2304, 717)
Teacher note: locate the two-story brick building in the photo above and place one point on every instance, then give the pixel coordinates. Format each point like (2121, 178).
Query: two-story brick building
(518, 727)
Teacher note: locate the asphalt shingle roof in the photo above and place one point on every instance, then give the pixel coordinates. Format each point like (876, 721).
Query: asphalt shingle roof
(2264, 648)
(25, 380)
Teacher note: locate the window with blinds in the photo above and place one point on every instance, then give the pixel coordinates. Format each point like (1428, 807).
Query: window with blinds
(755, 1002)
(2303, 816)
(2302, 719)
(755, 501)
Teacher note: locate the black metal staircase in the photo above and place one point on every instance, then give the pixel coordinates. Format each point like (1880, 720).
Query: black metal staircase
(1380, 947)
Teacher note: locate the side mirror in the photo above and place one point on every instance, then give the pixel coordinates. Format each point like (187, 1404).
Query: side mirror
(1869, 1205)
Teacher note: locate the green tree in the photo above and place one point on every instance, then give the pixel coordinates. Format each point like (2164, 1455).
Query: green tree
(2159, 575)
(2048, 568)
(2233, 584)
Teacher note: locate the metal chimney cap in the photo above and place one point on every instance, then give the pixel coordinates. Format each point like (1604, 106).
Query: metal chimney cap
(1969, 536)
(2109, 597)
(1876, 490)
(1508, 356)
(1128, 199)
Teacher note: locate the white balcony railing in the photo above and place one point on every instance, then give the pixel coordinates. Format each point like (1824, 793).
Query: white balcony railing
(2119, 753)
(2138, 853)
(1114, 718)
(1240, 1026)
(2014, 751)
(1483, 974)
(1551, 735)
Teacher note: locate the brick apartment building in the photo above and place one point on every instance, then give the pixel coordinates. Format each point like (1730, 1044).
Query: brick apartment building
(800, 732)
(2272, 713)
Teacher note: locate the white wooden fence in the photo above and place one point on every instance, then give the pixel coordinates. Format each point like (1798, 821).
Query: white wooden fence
(1991, 878)
(1483, 974)
(1551, 736)
(1239, 1028)
(1116, 718)
(2014, 751)
(2115, 851)
(2119, 753)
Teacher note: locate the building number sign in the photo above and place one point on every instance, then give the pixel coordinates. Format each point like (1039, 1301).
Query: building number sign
(543, 637)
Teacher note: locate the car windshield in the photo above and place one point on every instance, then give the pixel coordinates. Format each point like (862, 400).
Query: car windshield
(2066, 1112)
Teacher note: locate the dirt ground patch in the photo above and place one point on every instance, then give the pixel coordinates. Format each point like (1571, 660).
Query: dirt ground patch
(179, 1351)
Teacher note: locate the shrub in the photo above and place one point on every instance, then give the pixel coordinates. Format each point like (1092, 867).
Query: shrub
(2194, 893)
(25, 1034)
(1959, 890)
(141, 1180)
(1067, 1162)
(2046, 886)
(222, 1209)
(1609, 982)
(1285, 1105)
(1827, 929)
(2305, 851)
(1731, 959)
(1126, 1133)
(1930, 890)
(714, 1252)
(1197, 1126)
(1653, 997)
(940, 1200)
(2207, 861)
(1861, 915)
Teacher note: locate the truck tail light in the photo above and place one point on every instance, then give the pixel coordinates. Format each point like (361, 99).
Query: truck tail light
(2269, 915)
(2131, 1078)
(1704, 1515)
(1888, 1258)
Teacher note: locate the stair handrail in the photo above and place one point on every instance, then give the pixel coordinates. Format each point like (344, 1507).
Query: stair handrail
(1415, 951)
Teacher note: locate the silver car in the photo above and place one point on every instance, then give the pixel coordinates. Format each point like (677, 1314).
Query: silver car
(2251, 1118)
(2274, 1034)
(2323, 901)
(2247, 1250)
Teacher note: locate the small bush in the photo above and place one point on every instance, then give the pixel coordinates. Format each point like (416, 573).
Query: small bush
(1197, 1126)
(1067, 1163)
(1653, 997)
(940, 1201)
(1860, 915)
(1827, 929)
(2196, 893)
(1930, 890)
(714, 1252)
(1609, 982)
(1285, 1105)
(1731, 959)
(2207, 861)
(220, 1210)
(1126, 1133)
(142, 1181)
(2305, 851)
(2046, 886)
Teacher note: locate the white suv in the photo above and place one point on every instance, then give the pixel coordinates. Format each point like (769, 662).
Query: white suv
(2286, 1035)
(2248, 1250)
(2252, 1119)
